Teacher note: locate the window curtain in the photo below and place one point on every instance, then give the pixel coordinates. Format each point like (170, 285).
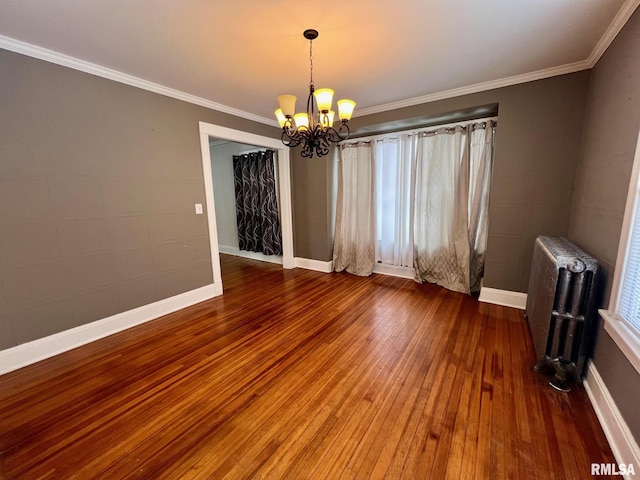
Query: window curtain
(440, 223)
(418, 199)
(256, 203)
(354, 244)
(481, 164)
(453, 173)
(395, 162)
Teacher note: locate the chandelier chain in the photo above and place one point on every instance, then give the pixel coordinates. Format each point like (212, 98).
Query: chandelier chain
(311, 59)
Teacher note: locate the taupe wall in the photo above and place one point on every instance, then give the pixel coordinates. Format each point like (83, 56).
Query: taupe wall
(98, 182)
(224, 192)
(611, 128)
(537, 148)
(313, 198)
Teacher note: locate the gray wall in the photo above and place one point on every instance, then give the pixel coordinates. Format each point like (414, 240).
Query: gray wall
(611, 129)
(537, 149)
(98, 182)
(314, 199)
(224, 191)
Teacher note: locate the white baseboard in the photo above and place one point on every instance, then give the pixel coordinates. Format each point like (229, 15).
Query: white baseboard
(32, 352)
(317, 265)
(622, 443)
(252, 255)
(505, 298)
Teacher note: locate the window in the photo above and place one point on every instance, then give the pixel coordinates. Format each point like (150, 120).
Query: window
(622, 320)
(394, 164)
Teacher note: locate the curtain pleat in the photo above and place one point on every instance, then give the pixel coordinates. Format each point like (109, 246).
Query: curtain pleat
(271, 233)
(257, 203)
(238, 184)
(354, 244)
(481, 162)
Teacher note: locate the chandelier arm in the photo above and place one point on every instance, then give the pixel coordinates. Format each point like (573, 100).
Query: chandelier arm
(288, 127)
(311, 110)
(307, 150)
(323, 146)
(344, 127)
(290, 140)
(336, 136)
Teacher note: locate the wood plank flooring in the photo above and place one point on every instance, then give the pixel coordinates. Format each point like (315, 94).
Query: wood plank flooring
(298, 374)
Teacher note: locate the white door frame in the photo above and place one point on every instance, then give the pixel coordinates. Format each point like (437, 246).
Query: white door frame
(284, 183)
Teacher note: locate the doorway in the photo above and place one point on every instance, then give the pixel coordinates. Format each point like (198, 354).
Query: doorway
(208, 131)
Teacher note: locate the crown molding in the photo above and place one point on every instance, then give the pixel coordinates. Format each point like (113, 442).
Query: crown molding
(34, 51)
(612, 31)
(607, 38)
(478, 87)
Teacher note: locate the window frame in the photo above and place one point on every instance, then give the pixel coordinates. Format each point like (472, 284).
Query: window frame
(623, 334)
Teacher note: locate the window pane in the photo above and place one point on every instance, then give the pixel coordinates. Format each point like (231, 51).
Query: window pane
(386, 157)
(393, 166)
(630, 299)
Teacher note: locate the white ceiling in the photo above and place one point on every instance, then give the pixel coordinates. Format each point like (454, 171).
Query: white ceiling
(239, 55)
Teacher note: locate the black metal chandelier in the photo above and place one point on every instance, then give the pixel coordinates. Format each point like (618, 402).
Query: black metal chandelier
(313, 128)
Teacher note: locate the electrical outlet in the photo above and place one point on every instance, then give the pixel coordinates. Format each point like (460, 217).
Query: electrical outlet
(198, 209)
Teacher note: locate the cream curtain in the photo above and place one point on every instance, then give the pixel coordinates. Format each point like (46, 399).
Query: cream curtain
(441, 236)
(481, 162)
(453, 176)
(354, 243)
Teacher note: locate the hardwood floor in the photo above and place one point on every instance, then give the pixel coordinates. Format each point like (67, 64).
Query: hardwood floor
(298, 374)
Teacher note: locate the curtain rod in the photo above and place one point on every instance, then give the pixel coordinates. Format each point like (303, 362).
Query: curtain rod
(429, 129)
(252, 150)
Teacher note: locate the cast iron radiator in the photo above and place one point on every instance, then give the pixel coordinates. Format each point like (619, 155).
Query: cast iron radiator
(560, 307)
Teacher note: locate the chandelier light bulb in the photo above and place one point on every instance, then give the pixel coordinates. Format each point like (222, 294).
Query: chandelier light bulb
(324, 97)
(345, 109)
(326, 119)
(287, 104)
(302, 121)
(281, 118)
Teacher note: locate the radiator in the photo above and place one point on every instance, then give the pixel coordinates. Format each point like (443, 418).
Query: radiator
(560, 308)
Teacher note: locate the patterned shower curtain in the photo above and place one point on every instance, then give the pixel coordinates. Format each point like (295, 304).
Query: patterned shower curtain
(257, 203)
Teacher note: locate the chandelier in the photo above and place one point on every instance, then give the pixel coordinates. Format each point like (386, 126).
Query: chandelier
(313, 128)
